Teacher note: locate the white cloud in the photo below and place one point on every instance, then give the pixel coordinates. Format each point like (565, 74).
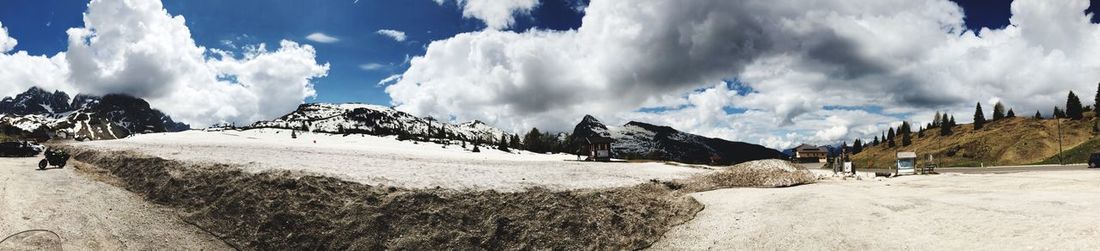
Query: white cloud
(322, 38)
(7, 43)
(496, 14)
(137, 48)
(906, 59)
(390, 79)
(372, 66)
(396, 35)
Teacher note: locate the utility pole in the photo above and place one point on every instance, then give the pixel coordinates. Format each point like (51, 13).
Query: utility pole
(1060, 162)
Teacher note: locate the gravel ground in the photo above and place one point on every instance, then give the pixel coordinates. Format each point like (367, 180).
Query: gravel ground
(386, 161)
(86, 214)
(1034, 210)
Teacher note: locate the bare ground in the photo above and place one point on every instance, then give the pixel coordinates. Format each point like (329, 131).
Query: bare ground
(85, 214)
(1034, 210)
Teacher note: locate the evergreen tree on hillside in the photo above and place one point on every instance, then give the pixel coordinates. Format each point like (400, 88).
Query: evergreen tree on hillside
(1011, 114)
(857, 146)
(979, 117)
(1058, 113)
(1038, 115)
(936, 120)
(503, 144)
(1096, 101)
(890, 138)
(875, 142)
(952, 122)
(1074, 110)
(920, 133)
(533, 141)
(998, 111)
(906, 139)
(514, 142)
(945, 129)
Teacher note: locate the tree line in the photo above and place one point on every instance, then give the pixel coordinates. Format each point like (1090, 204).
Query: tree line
(944, 124)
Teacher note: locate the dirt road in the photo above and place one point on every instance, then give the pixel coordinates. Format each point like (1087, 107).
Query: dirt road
(1032, 210)
(86, 214)
(1014, 169)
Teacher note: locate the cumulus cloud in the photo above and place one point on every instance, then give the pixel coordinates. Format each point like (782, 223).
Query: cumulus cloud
(137, 48)
(19, 70)
(322, 38)
(6, 43)
(907, 58)
(396, 35)
(496, 14)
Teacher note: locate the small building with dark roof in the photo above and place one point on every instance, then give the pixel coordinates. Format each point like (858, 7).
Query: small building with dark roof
(599, 148)
(811, 154)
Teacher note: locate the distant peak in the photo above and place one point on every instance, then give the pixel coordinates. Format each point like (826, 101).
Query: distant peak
(590, 119)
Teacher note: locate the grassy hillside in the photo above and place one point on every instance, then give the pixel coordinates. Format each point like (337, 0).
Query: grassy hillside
(1006, 142)
(1078, 154)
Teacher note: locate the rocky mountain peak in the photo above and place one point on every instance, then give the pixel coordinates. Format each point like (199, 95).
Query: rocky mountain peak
(36, 101)
(39, 112)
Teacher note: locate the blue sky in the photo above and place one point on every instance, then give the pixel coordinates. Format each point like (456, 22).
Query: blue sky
(40, 27)
(772, 72)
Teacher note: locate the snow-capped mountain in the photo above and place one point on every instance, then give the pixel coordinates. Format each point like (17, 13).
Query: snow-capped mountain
(35, 101)
(378, 120)
(637, 140)
(43, 115)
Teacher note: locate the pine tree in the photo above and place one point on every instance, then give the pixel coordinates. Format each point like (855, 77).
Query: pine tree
(514, 142)
(906, 140)
(503, 144)
(1058, 113)
(1096, 103)
(1074, 110)
(945, 130)
(979, 117)
(953, 124)
(936, 121)
(857, 147)
(294, 134)
(1011, 114)
(998, 111)
(890, 138)
(1038, 115)
(875, 142)
(533, 141)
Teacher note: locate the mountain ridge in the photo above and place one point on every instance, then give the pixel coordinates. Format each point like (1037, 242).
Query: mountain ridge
(640, 140)
(43, 115)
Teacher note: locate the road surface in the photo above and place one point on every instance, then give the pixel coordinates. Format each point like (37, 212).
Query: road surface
(85, 213)
(1015, 211)
(1013, 169)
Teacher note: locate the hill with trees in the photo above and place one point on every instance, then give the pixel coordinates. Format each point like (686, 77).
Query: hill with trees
(1003, 139)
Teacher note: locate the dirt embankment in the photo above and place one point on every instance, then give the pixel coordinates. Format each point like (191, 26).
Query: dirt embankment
(283, 210)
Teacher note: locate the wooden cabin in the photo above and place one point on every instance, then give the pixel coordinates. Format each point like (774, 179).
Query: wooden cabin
(810, 154)
(599, 148)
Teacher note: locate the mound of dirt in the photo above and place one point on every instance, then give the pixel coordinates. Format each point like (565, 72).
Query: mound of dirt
(761, 173)
(283, 210)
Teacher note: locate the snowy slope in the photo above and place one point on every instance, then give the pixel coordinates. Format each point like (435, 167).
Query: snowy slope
(377, 120)
(384, 160)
